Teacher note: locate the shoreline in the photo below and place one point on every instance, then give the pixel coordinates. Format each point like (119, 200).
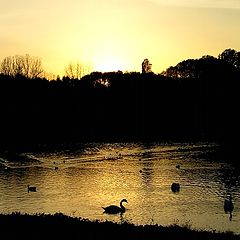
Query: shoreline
(59, 226)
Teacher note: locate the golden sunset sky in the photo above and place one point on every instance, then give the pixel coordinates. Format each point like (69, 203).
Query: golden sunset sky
(113, 35)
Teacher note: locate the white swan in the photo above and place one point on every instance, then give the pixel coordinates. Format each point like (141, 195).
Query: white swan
(31, 189)
(113, 209)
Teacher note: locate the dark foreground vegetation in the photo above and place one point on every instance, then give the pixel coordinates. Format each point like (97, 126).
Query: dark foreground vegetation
(59, 226)
(198, 99)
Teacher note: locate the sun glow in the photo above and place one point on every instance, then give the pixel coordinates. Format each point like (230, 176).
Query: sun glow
(112, 35)
(108, 65)
(108, 58)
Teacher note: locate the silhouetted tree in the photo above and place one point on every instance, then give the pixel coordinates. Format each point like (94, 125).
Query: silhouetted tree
(18, 65)
(146, 66)
(76, 70)
(206, 66)
(196, 99)
(231, 56)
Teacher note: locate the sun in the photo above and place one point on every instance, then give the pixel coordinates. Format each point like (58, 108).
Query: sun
(108, 64)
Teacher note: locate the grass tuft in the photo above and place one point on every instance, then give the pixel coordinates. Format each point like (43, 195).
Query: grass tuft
(59, 226)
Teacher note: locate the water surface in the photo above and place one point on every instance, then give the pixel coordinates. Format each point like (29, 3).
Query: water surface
(79, 181)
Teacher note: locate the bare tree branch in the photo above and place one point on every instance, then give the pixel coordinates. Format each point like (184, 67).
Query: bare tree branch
(76, 70)
(27, 66)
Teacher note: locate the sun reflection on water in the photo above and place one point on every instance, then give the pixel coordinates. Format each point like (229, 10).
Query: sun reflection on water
(102, 174)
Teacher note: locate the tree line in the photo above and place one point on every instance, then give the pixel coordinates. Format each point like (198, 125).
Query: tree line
(196, 100)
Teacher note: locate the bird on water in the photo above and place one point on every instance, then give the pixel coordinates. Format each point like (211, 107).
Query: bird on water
(228, 206)
(31, 188)
(175, 187)
(113, 209)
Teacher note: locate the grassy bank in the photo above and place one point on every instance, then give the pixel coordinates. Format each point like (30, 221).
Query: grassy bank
(59, 226)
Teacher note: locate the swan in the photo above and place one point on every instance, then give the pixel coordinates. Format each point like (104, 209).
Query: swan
(175, 187)
(31, 189)
(113, 209)
(228, 206)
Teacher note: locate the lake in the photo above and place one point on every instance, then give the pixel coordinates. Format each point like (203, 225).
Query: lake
(80, 181)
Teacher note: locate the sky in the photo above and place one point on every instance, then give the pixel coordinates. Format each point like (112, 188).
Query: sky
(111, 35)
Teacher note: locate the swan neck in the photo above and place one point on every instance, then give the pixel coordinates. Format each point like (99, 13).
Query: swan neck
(121, 205)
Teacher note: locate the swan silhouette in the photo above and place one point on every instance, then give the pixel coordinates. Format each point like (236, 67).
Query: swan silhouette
(113, 209)
(175, 187)
(31, 189)
(228, 206)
